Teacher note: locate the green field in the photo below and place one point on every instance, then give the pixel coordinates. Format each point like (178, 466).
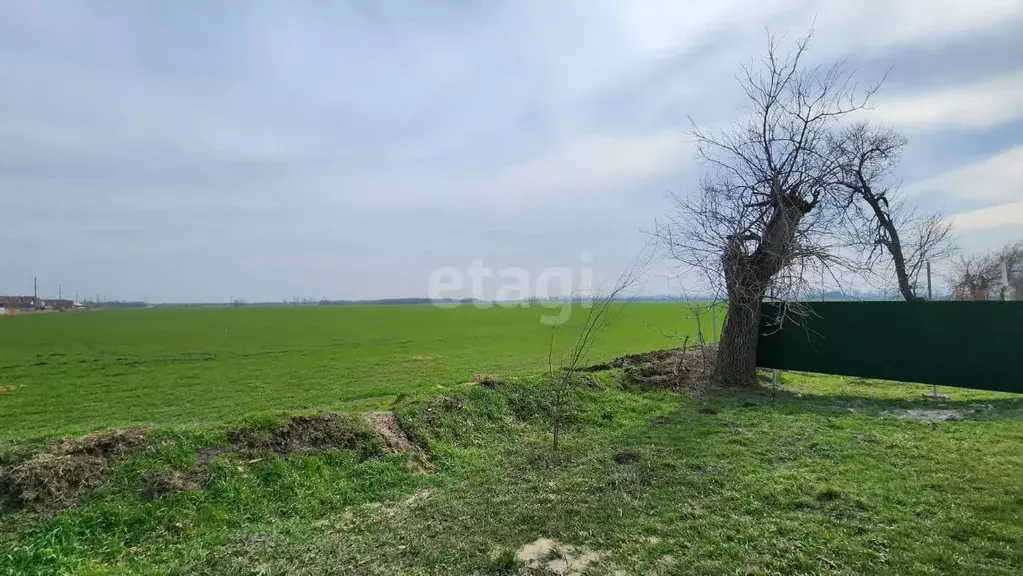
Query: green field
(77, 372)
(244, 473)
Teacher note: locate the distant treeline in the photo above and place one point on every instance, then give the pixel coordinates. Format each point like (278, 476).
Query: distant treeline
(116, 304)
(313, 302)
(829, 295)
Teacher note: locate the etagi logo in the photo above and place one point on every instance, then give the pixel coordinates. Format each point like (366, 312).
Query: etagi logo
(556, 287)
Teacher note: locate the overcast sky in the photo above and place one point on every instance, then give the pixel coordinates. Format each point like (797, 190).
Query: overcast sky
(196, 151)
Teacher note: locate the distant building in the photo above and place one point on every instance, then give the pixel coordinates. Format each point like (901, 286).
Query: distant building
(15, 304)
(60, 305)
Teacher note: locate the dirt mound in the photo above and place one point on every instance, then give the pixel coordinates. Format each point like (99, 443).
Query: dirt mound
(690, 369)
(107, 444)
(64, 475)
(53, 481)
(387, 427)
(302, 434)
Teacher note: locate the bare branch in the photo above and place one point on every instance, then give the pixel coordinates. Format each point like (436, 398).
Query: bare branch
(601, 312)
(867, 156)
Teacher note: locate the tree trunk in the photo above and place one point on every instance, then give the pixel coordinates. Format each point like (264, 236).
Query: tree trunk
(893, 243)
(900, 271)
(894, 246)
(737, 352)
(746, 279)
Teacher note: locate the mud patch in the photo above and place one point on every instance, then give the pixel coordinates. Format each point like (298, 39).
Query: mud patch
(929, 415)
(386, 425)
(553, 557)
(65, 474)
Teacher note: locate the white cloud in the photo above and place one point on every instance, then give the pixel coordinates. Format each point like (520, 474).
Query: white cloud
(1000, 216)
(982, 105)
(995, 179)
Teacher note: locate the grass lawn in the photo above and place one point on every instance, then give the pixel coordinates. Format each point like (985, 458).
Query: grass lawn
(71, 373)
(821, 478)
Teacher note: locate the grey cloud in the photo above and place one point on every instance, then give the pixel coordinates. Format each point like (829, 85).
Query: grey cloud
(198, 151)
(940, 63)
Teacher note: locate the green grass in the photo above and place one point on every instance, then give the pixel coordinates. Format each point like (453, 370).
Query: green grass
(78, 372)
(813, 480)
(821, 477)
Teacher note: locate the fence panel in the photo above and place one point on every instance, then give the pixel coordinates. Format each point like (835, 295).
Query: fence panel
(963, 344)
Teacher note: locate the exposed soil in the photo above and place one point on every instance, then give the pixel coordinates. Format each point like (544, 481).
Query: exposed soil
(553, 557)
(387, 427)
(7, 389)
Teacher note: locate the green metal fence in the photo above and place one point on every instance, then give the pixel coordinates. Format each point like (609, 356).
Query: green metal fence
(963, 344)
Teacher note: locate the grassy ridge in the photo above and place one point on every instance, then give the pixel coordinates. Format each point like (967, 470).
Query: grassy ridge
(77, 372)
(817, 480)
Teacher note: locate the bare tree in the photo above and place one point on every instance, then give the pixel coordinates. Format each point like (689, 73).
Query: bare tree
(885, 223)
(972, 278)
(769, 209)
(979, 277)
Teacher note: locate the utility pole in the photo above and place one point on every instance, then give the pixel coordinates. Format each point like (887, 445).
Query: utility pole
(60, 292)
(934, 387)
(929, 295)
(35, 292)
(822, 283)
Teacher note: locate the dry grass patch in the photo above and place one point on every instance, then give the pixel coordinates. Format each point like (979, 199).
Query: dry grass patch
(64, 475)
(553, 557)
